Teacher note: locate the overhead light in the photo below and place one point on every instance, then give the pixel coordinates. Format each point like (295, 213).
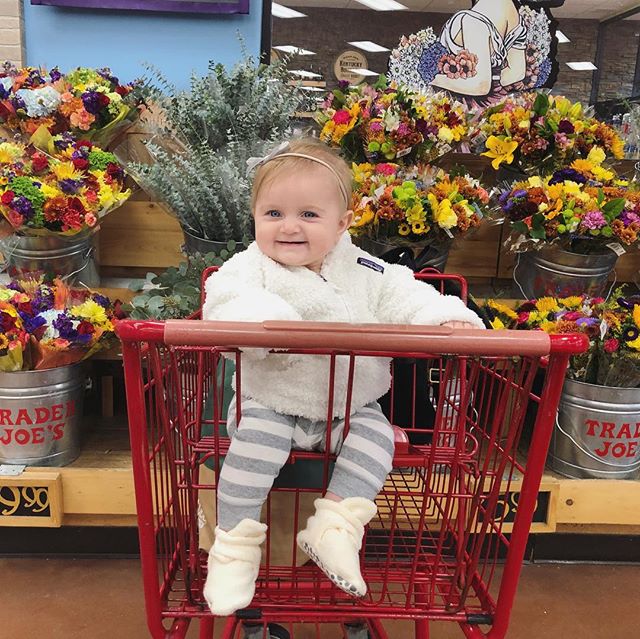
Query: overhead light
(367, 45)
(562, 38)
(280, 11)
(305, 74)
(362, 71)
(312, 88)
(289, 48)
(582, 66)
(383, 5)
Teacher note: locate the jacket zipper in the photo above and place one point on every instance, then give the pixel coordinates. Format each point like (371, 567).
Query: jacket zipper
(338, 292)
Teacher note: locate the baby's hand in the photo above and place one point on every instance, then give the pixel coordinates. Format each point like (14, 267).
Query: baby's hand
(457, 324)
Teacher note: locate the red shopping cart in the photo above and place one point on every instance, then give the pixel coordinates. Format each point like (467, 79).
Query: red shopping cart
(440, 547)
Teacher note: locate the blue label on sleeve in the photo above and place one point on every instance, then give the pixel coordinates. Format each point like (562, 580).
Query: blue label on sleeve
(372, 265)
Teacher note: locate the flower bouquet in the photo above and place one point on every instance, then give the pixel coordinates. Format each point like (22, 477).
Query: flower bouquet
(413, 206)
(387, 122)
(572, 212)
(62, 192)
(613, 328)
(538, 133)
(44, 326)
(89, 103)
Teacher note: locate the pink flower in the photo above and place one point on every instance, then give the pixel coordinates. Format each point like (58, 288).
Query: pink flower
(82, 120)
(594, 220)
(386, 169)
(597, 300)
(562, 140)
(523, 318)
(611, 345)
(572, 316)
(67, 96)
(376, 127)
(341, 117)
(90, 219)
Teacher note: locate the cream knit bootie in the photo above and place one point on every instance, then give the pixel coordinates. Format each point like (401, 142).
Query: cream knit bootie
(333, 538)
(234, 563)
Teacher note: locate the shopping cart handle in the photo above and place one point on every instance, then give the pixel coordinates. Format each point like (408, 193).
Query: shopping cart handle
(387, 339)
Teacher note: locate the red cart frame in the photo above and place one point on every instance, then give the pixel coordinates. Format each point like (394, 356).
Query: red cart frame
(440, 548)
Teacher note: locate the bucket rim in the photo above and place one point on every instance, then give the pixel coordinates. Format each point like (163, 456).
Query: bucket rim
(64, 371)
(569, 381)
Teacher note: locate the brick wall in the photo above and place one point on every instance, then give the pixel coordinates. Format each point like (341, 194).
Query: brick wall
(11, 32)
(327, 32)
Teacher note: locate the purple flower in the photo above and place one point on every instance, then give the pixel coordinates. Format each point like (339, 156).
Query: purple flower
(18, 103)
(102, 300)
(594, 220)
(109, 77)
(567, 174)
(628, 217)
(587, 321)
(66, 140)
(91, 101)
(4, 93)
(31, 324)
(23, 206)
(343, 85)
(70, 186)
(42, 300)
(566, 127)
(520, 193)
(64, 326)
(55, 74)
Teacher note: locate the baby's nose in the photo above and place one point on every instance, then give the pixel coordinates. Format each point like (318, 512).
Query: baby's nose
(291, 225)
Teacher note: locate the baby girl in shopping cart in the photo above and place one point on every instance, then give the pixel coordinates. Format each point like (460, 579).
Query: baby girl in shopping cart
(303, 266)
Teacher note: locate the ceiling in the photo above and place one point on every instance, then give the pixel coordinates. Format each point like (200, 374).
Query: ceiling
(587, 9)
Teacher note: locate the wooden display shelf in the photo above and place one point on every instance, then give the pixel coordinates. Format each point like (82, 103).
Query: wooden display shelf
(97, 490)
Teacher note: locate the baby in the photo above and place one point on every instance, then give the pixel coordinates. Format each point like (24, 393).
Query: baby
(303, 266)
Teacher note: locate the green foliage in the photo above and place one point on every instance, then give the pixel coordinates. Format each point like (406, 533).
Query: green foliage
(175, 293)
(199, 151)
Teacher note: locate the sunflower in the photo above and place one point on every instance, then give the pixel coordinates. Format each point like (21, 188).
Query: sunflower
(502, 308)
(571, 302)
(419, 228)
(404, 229)
(636, 315)
(547, 305)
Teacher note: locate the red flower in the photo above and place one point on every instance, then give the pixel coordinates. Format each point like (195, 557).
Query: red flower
(73, 217)
(7, 197)
(84, 143)
(386, 169)
(342, 117)
(80, 163)
(611, 345)
(572, 316)
(104, 99)
(39, 162)
(85, 328)
(523, 318)
(120, 90)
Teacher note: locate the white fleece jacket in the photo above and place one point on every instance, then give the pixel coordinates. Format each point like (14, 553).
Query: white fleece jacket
(353, 286)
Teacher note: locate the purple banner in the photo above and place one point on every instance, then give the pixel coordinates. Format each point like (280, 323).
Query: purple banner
(184, 6)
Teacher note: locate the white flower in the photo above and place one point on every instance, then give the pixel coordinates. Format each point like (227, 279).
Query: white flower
(39, 102)
(6, 83)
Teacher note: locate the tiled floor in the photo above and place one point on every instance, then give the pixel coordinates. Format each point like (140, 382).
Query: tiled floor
(102, 599)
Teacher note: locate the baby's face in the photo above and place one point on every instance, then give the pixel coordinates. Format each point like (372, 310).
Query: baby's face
(300, 217)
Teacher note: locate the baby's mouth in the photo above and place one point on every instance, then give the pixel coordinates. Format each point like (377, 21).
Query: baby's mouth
(291, 242)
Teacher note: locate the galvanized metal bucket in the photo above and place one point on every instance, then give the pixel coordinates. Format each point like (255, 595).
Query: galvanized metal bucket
(75, 260)
(597, 433)
(41, 415)
(194, 244)
(557, 273)
(434, 257)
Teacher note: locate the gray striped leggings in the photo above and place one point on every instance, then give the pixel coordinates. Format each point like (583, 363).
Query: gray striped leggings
(262, 441)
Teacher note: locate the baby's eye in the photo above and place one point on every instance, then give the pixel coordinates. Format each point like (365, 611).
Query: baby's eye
(273, 213)
(309, 214)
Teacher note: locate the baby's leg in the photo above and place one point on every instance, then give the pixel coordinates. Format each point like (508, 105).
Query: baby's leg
(259, 448)
(333, 536)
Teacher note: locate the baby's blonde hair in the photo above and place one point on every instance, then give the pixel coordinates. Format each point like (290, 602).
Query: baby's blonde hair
(270, 170)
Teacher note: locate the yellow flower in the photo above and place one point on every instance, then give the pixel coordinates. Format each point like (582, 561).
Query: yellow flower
(50, 191)
(362, 217)
(636, 315)
(570, 302)
(617, 148)
(502, 308)
(603, 174)
(497, 324)
(501, 150)
(10, 152)
(443, 214)
(4, 341)
(547, 326)
(415, 214)
(596, 155)
(547, 305)
(535, 181)
(362, 171)
(404, 229)
(635, 344)
(92, 312)
(419, 228)
(571, 188)
(66, 171)
(445, 134)
(578, 126)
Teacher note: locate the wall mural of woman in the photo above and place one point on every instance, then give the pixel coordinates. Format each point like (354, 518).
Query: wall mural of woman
(483, 53)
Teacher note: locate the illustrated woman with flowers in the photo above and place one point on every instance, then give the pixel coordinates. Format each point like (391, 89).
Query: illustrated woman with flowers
(487, 51)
